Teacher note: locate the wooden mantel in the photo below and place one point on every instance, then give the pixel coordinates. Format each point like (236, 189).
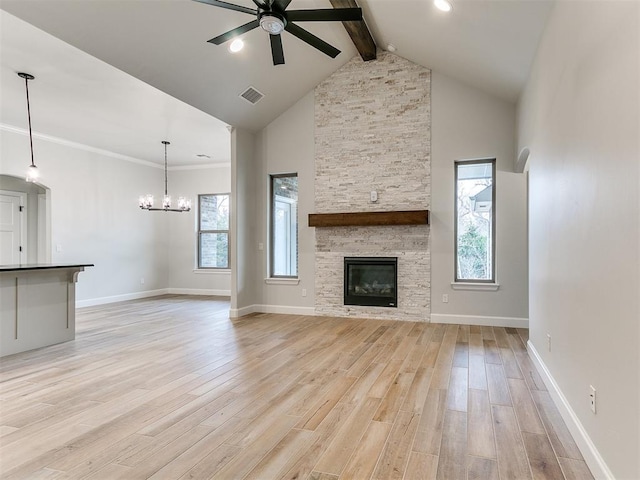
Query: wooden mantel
(369, 219)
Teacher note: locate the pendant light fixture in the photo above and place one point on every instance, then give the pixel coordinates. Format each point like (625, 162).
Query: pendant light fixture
(146, 201)
(32, 173)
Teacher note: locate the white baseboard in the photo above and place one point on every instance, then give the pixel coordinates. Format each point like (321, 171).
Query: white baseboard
(120, 298)
(592, 457)
(199, 291)
(513, 322)
(150, 293)
(283, 309)
(241, 312)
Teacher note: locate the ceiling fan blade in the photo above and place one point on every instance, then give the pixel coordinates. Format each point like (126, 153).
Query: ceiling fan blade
(220, 39)
(312, 40)
(276, 49)
(260, 4)
(325, 15)
(280, 4)
(229, 6)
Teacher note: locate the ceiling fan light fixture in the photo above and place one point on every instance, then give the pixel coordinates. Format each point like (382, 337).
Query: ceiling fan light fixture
(443, 5)
(272, 24)
(273, 17)
(236, 45)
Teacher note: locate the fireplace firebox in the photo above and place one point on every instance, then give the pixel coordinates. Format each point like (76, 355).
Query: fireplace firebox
(371, 281)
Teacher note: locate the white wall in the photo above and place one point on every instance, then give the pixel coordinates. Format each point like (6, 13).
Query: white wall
(286, 145)
(95, 217)
(468, 124)
(183, 274)
(579, 116)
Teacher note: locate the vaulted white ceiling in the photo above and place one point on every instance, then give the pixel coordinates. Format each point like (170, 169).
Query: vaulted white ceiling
(487, 43)
(78, 98)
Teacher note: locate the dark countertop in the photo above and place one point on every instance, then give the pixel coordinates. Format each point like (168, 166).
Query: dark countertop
(42, 266)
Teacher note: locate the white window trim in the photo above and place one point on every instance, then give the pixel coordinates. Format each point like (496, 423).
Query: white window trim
(486, 287)
(466, 284)
(212, 271)
(199, 232)
(281, 281)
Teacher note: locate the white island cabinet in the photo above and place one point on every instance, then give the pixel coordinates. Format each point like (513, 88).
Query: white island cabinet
(37, 305)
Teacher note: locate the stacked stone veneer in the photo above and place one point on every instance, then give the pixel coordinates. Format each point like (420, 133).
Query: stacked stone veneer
(372, 132)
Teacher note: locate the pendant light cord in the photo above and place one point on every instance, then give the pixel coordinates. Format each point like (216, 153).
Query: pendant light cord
(26, 85)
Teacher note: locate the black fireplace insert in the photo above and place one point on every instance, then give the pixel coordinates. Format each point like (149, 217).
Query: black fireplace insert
(371, 281)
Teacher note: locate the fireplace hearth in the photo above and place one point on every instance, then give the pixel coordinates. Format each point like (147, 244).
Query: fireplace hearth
(371, 281)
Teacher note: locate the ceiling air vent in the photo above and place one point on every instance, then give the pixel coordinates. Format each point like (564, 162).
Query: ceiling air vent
(252, 95)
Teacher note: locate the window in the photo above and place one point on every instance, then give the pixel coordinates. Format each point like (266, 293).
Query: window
(213, 231)
(475, 221)
(284, 225)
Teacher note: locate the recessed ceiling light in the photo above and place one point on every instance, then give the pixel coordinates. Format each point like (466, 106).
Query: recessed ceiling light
(391, 47)
(236, 45)
(443, 5)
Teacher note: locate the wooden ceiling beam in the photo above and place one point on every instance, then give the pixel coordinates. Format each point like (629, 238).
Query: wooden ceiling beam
(358, 32)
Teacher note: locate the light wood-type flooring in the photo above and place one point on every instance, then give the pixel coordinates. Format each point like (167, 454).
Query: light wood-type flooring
(171, 388)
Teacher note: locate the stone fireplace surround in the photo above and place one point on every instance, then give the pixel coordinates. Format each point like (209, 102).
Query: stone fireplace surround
(373, 134)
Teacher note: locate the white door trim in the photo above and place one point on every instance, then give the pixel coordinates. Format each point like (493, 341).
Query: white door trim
(23, 221)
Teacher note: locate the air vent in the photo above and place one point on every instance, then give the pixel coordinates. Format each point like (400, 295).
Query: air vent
(252, 95)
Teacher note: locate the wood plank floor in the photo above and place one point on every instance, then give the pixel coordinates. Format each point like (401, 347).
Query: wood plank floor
(171, 388)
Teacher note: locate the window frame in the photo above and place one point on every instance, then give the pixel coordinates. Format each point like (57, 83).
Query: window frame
(492, 279)
(200, 232)
(272, 219)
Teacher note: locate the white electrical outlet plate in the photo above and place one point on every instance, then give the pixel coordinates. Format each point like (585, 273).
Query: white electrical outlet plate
(445, 298)
(141, 280)
(592, 398)
(304, 292)
(374, 196)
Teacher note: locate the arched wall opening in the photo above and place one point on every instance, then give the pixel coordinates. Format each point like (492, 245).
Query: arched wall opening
(31, 229)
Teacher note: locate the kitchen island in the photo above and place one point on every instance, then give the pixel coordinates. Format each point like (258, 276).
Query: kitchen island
(37, 305)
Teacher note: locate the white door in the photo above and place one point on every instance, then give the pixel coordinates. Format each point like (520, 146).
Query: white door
(12, 229)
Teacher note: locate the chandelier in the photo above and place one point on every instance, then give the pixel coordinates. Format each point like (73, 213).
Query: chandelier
(146, 201)
(32, 174)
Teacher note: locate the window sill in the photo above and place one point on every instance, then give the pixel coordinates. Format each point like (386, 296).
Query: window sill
(282, 281)
(212, 271)
(483, 287)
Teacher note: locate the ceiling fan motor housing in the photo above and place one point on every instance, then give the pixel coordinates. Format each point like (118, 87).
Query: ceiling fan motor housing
(272, 22)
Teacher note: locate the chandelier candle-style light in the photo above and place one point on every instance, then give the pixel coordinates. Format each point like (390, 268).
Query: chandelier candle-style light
(32, 173)
(146, 201)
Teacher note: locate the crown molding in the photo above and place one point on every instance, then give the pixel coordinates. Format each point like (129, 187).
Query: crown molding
(200, 167)
(107, 153)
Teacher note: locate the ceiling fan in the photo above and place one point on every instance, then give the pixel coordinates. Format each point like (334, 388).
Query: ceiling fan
(272, 17)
